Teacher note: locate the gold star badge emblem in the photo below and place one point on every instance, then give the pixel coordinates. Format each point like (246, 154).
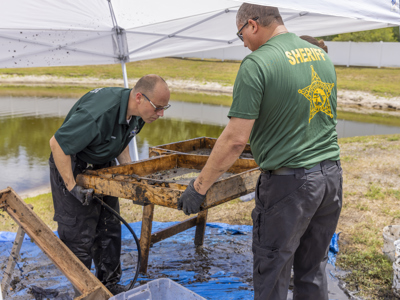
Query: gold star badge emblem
(318, 94)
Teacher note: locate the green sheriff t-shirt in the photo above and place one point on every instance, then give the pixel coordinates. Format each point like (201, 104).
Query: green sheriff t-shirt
(289, 87)
(96, 129)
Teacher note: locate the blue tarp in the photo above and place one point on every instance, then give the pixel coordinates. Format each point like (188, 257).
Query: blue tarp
(333, 249)
(221, 269)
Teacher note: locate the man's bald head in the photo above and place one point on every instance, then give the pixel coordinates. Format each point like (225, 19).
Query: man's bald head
(148, 83)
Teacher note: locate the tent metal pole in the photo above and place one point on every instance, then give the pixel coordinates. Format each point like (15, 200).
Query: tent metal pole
(132, 145)
(124, 74)
(123, 57)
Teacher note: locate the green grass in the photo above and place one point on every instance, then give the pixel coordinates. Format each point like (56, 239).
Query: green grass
(375, 192)
(44, 91)
(169, 68)
(371, 271)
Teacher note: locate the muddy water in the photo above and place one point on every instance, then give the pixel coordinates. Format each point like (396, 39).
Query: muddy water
(27, 124)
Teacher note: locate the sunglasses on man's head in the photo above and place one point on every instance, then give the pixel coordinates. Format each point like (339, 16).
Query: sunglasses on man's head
(239, 33)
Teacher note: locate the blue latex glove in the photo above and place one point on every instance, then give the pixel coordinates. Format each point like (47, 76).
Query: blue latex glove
(190, 201)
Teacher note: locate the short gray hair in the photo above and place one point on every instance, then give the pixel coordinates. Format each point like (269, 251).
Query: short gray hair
(266, 14)
(147, 83)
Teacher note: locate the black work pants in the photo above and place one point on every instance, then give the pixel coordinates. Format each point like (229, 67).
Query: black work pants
(90, 232)
(293, 222)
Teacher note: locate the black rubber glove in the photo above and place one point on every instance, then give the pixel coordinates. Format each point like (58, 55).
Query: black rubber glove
(85, 196)
(190, 201)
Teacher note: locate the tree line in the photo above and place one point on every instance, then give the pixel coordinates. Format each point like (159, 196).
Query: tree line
(390, 34)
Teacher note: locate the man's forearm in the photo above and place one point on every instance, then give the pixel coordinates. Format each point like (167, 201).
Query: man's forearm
(226, 151)
(223, 156)
(63, 164)
(124, 157)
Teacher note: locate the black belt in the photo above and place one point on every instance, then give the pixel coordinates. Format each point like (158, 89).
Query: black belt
(82, 164)
(292, 171)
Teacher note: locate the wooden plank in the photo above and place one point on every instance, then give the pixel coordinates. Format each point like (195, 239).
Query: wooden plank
(225, 190)
(247, 149)
(76, 272)
(12, 261)
(181, 147)
(200, 228)
(154, 152)
(145, 236)
(94, 294)
(143, 180)
(142, 167)
(222, 191)
(172, 230)
(138, 170)
(120, 183)
(184, 147)
(141, 193)
(199, 161)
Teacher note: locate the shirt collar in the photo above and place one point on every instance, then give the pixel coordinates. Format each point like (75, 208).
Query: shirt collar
(124, 106)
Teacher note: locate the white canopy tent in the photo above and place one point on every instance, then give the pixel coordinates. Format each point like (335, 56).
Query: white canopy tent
(69, 32)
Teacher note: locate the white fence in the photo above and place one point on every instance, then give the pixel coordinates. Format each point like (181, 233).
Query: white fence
(342, 53)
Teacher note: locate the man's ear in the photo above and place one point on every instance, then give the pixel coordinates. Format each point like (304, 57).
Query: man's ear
(253, 26)
(138, 96)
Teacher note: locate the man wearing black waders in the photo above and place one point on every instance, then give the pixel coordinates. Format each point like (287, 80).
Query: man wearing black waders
(284, 100)
(96, 131)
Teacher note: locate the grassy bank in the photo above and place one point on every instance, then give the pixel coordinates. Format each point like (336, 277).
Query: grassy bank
(168, 68)
(382, 82)
(371, 202)
(78, 91)
(376, 118)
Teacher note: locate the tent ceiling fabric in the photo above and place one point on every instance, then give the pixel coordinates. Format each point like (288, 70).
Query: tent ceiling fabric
(384, 11)
(69, 32)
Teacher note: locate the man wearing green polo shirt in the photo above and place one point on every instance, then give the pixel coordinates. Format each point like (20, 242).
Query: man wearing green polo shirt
(284, 100)
(96, 131)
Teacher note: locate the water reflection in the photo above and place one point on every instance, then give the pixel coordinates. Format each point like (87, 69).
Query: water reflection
(27, 124)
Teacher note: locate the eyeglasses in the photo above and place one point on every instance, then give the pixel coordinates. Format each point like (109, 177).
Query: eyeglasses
(157, 108)
(239, 33)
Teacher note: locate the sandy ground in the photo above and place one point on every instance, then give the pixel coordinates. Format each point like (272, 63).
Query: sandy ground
(354, 101)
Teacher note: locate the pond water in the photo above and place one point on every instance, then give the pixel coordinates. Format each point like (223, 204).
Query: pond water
(27, 124)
